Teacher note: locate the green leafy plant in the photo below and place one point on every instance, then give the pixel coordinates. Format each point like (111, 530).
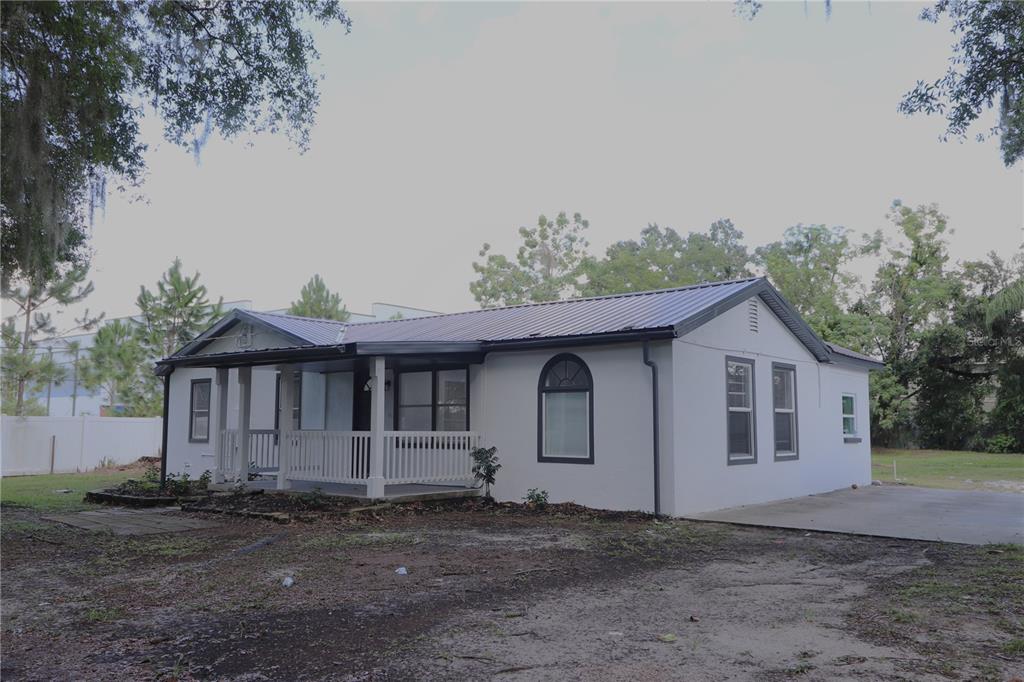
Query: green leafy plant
(536, 498)
(485, 466)
(1000, 443)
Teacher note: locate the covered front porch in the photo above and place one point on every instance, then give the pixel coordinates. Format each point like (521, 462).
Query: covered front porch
(372, 427)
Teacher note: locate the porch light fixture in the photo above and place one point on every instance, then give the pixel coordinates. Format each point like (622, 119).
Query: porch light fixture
(368, 386)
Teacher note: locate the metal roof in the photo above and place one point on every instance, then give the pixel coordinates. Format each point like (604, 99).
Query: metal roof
(313, 330)
(672, 312)
(647, 310)
(852, 354)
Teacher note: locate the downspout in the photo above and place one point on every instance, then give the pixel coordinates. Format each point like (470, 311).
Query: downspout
(163, 446)
(654, 419)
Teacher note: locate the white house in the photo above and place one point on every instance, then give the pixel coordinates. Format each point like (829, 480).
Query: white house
(676, 401)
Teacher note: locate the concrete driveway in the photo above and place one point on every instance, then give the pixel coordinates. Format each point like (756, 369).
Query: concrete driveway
(964, 516)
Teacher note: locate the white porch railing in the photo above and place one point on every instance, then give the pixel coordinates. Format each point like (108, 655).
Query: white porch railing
(263, 450)
(344, 456)
(429, 456)
(227, 452)
(328, 456)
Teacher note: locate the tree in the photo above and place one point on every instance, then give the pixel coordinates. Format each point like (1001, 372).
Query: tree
(76, 76)
(114, 363)
(27, 366)
(909, 295)
(1007, 302)
(169, 318)
(316, 300)
(546, 267)
(809, 267)
(985, 67)
(662, 259)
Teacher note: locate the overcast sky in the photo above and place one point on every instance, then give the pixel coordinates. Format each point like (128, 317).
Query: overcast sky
(446, 126)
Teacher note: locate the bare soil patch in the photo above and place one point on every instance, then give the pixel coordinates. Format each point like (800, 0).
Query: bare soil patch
(499, 592)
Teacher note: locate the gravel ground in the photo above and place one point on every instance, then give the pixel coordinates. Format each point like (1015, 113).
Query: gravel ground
(503, 593)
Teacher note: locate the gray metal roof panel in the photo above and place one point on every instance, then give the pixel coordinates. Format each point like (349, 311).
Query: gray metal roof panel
(576, 317)
(314, 330)
(846, 352)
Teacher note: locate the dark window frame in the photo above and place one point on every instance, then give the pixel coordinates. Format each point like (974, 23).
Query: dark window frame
(192, 410)
(752, 459)
(795, 454)
(542, 390)
(433, 370)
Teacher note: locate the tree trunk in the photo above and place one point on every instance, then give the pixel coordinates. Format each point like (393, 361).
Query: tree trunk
(20, 405)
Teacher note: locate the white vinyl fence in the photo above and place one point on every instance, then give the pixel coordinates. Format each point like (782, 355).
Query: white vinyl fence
(39, 445)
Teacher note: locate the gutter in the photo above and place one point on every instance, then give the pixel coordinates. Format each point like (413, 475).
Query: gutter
(163, 446)
(654, 420)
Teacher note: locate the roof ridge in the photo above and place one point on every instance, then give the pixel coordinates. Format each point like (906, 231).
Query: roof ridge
(299, 317)
(625, 294)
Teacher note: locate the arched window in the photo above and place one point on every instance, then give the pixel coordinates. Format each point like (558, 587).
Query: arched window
(565, 411)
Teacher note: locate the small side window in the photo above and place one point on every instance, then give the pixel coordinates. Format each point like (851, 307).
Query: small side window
(199, 412)
(849, 415)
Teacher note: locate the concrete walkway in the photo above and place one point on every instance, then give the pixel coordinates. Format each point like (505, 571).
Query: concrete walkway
(963, 516)
(130, 521)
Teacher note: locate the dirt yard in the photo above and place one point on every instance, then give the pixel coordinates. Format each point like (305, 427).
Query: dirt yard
(501, 594)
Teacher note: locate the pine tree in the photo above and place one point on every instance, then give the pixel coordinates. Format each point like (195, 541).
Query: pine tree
(114, 363)
(26, 365)
(316, 300)
(171, 316)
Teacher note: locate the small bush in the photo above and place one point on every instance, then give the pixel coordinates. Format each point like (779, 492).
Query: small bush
(536, 498)
(1000, 444)
(485, 466)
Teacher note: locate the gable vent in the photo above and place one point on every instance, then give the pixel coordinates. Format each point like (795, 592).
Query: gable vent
(752, 314)
(244, 337)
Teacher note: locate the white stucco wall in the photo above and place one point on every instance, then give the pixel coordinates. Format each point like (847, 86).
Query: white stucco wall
(503, 395)
(703, 479)
(195, 458)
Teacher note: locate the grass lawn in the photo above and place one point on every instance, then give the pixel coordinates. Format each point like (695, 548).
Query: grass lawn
(950, 469)
(38, 493)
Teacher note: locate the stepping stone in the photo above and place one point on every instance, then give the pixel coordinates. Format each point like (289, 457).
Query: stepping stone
(130, 521)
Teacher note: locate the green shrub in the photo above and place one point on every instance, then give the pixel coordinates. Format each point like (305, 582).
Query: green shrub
(1001, 443)
(485, 466)
(536, 498)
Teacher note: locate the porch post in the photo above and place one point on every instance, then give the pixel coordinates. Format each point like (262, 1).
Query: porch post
(286, 390)
(244, 404)
(375, 484)
(222, 424)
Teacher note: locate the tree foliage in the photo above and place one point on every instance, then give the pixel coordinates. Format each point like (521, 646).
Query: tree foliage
(546, 266)
(316, 300)
(809, 267)
(985, 70)
(27, 366)
(169, 317)
(76, 77)
(114, 363)
(662, 258)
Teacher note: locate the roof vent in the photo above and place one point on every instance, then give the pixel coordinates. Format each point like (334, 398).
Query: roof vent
(244, 337)
(752, 315)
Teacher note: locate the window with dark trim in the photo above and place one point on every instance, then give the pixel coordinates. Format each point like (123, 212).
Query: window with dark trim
(199, 411)
(741, 423)
(432, 400)
(784, 411)
(565, 411)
